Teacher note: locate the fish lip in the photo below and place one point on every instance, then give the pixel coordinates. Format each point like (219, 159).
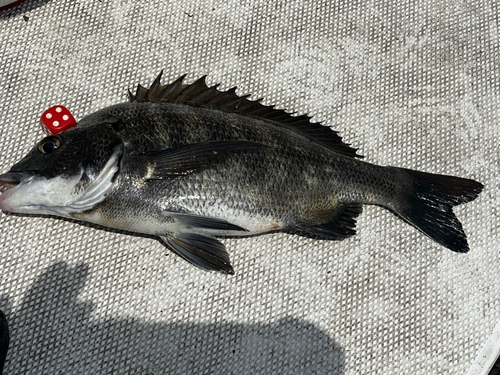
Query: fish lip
(10, 180)
(10, 183)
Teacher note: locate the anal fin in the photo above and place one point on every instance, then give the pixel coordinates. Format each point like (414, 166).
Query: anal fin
(339, 228)
(202, 250)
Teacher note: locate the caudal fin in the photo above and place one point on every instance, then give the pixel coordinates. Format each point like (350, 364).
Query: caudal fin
(429, 207)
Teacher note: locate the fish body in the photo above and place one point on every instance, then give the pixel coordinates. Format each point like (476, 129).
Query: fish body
(187, 163)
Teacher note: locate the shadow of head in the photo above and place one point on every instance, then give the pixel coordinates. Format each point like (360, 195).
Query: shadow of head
(52, 331)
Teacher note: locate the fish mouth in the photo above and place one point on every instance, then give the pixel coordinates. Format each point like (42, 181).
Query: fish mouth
(10, 183)
(10, 180)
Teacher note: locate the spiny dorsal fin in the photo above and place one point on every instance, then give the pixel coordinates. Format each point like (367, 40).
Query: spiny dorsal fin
(198, 93)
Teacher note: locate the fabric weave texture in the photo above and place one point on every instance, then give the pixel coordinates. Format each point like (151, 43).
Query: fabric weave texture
(414, 84)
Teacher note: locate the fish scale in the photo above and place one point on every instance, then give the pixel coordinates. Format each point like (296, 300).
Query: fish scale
(187, 162)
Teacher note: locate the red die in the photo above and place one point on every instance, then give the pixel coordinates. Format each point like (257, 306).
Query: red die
(57, 119)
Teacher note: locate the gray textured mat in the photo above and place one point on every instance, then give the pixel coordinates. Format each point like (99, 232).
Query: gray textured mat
(414, 84)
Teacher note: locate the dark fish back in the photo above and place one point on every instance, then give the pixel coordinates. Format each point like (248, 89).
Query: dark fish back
(307, 179)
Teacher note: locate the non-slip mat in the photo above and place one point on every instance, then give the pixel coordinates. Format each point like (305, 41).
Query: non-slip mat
(414, 84)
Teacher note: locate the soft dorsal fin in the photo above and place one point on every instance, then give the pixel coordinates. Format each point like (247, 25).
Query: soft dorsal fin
(198, 93)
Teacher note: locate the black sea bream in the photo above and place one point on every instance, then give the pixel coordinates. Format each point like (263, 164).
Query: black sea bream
(187, 163)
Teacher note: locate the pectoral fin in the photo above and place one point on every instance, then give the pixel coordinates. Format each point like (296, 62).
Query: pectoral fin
(194, 157)
(202, 250)
(218, 227)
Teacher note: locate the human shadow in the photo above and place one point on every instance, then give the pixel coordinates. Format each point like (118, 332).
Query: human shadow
(53, 332)
(4, 339)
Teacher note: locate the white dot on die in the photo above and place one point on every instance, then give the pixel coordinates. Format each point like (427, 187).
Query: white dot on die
(55, 123)
(48, 115)
(65, 117)
(58, 109)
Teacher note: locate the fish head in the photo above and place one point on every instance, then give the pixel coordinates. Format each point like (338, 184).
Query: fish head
(63, 174)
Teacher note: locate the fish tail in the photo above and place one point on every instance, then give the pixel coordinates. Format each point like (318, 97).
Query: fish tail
(429, 205)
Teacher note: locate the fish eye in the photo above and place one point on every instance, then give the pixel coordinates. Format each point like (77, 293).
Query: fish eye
(48, 145)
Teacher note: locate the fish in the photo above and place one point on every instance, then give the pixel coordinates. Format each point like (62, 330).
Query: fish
(188, 164)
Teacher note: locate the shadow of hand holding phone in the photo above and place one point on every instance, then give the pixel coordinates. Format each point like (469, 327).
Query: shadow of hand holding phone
(53, 331)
